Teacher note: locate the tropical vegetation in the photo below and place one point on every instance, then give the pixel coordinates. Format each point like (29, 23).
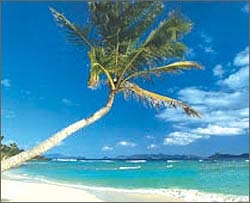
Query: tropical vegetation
(125, 47)
(8, 150)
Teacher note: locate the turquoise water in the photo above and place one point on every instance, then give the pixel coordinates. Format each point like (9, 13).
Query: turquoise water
(227, 177)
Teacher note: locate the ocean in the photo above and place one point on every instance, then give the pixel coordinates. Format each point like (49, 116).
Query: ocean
(222, 177)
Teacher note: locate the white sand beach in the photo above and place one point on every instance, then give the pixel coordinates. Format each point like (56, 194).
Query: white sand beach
(20, 191)
(15, 190)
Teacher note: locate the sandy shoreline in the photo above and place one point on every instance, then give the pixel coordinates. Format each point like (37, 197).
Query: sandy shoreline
(16, 190)
(19, 191)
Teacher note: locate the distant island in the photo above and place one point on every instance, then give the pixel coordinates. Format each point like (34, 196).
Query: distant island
(12, 149)
(149, 157)
(159, 157)
(218, 156)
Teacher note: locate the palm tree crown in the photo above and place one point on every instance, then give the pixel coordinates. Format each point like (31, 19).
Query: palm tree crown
(122, 47)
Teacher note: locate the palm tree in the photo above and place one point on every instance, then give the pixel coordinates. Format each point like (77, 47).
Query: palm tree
(122, 50)
(13, 149)
(4, 149)
(2, 145)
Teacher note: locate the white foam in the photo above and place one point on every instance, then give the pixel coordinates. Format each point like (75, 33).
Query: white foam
(172, 161)
(198, 196)
(107, 161)
(59, 159)
(129, 167)
(169, 166)
(86, 161)
(137, 161)
(91, 161)
(187, 195)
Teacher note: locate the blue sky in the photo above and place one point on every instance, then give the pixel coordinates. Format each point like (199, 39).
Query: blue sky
(44, 86)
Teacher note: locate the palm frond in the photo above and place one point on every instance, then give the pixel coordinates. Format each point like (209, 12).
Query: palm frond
(156, 100)
(158, 54)
(171, 29)
(171, 68)
(162, 43)
(94, 72)
(122, 52)
(75, 34)
(147, 58)
(138, 25)
(131, 18)
(96, 55)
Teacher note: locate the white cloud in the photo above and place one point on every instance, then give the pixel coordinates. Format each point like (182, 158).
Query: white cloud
(245, 9)
(126, 144)
(240, 78)
(217, 108)
(212, 99)
(218, 70)
(6, 82)
(25, 92)
(182, 138)
(237, 80)
(225, 112)
(68, 102)
(6, 113)
(209, 49)
(149, 137)
(206, 43)
(218, 130)
(107, 148)
(242, 58)
(228, 118)
(207, 39)
(152, 146)
(175, 115)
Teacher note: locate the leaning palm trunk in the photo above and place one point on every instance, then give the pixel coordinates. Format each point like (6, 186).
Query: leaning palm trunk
(56, 139)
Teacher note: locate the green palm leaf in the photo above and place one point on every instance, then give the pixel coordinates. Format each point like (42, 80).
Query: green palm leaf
(163, 43)
(171, 29)
(75, 34)
(123, 20)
